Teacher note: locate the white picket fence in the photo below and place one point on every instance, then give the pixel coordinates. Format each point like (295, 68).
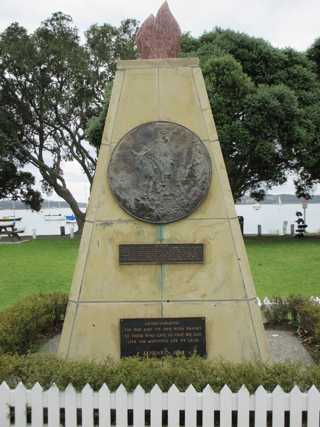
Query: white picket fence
(268, 302)
(36, 407)
(264, 302)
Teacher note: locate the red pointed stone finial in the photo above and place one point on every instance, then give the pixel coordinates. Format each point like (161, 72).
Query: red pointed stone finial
(159, 37)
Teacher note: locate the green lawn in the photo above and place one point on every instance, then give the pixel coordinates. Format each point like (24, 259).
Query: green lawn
(280, 267)
(37, 266)
(283, 267)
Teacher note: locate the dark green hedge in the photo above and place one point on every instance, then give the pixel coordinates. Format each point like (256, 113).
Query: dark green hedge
(26, 323)
(130, 372)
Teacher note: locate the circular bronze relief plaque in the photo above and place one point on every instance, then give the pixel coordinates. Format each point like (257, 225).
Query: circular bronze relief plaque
(160, 172)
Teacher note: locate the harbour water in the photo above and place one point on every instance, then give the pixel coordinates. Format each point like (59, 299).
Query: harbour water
(47, 222)
(271, 217)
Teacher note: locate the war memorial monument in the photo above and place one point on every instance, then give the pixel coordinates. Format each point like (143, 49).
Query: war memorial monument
(162, 266)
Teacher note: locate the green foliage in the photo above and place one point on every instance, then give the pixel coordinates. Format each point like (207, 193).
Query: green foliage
(308, 317)
(23, 325)
(266, 104)
(314, 54)
(15, 184)
(18, 185)
(95, 125)
(131, 372)
(52, 85)
(284, 311)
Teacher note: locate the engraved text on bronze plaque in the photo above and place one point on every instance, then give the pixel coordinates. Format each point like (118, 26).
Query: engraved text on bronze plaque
(160, 172)
(158, 337)
(161, 253)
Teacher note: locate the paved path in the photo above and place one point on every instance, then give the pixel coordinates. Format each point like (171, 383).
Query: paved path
(285, 346)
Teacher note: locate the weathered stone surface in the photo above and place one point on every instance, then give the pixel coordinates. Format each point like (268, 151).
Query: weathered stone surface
(220, 289)
(159, 37)
(160, 172)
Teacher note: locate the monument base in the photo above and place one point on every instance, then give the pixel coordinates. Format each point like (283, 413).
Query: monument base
(219, 288)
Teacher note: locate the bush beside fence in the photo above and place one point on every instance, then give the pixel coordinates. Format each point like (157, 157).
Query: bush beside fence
(131, 372)
(25, 324)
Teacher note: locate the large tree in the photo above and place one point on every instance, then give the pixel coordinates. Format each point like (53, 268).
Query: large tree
(265, 101)
(52, 85)
(15, 183)
(309, 159)
(266, 104)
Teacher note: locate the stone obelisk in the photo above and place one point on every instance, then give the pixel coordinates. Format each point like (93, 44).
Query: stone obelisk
(162, 266)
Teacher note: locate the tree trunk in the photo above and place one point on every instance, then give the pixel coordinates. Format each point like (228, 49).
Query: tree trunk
(68, 197)
(61, 189)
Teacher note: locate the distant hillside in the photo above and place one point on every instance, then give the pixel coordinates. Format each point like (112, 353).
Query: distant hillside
(8, 204)
(275, 199)
(270, 199)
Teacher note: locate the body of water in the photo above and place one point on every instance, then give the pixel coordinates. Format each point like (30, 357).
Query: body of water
(270, 217)
(45, 222)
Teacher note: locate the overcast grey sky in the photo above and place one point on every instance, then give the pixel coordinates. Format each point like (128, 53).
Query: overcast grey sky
(285, 23)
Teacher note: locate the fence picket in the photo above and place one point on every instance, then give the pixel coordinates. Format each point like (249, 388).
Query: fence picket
(191, 406)
(226, 407)
(138, 407)
(121, 407)
(296, 407)
(243, 407)
(20, 405)
(260, 415)
(87, 406)
(278, 407)
(174, 401)
(70, 400)
(208, 407)
(173, 406)
(53, 406)
(156, 406)
(4, 405)
(36, 405)
(104, 406)
(313, 407)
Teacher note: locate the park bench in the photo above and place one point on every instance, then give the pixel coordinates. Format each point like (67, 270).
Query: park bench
(8, 227)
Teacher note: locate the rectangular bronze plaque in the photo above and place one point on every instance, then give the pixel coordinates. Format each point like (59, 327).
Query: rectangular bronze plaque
(157, 337)
(184, 253)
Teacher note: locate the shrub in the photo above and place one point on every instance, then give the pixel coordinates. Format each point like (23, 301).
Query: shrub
(23, 325)
(284, 311)
(131, 372)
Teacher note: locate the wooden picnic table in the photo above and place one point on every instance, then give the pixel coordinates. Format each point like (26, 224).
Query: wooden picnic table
(8, 227)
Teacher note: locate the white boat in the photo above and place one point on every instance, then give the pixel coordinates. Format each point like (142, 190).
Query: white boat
(7, 219)
(51, 215)
(54, 217)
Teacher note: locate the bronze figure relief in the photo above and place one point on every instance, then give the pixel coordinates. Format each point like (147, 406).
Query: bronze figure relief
(160, 172)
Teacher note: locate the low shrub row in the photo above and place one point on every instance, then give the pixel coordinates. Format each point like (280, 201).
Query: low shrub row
(26, 323)
(131, 372)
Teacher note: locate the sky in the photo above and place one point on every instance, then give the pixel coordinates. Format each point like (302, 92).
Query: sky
(284, 23)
